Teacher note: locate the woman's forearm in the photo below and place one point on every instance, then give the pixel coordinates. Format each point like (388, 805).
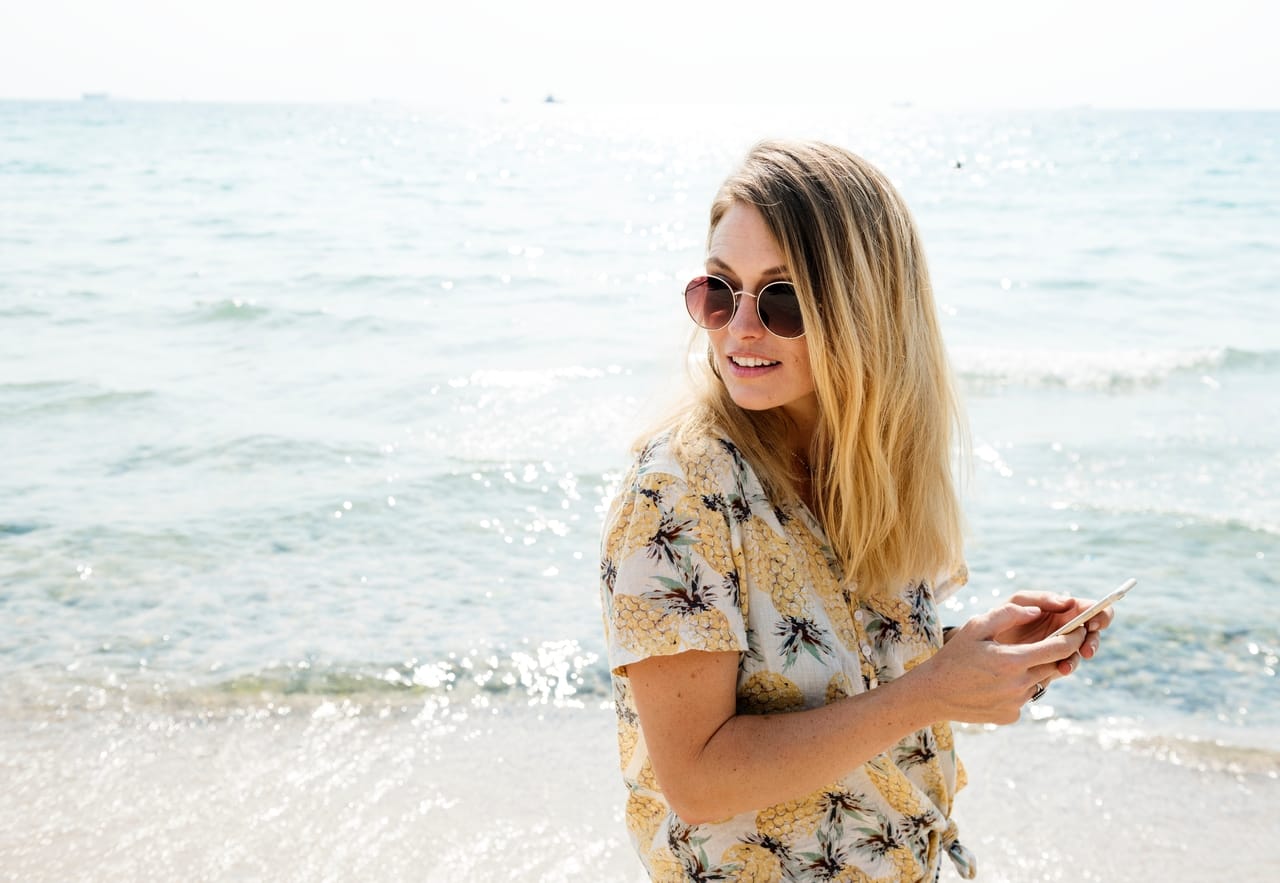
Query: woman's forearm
(712, 762)
(753, 761)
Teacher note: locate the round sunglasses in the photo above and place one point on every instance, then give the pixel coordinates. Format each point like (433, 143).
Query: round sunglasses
(712, 303)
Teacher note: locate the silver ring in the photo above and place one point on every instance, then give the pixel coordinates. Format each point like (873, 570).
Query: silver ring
(1038, 692)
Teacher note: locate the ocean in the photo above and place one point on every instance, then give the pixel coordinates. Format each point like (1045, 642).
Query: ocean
(309, 415)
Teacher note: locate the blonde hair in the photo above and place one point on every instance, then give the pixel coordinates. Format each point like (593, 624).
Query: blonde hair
(880, 458)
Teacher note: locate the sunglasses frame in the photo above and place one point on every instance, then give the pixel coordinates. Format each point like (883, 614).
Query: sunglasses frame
(737, 300)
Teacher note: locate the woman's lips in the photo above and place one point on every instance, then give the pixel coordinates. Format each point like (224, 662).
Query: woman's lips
(754, 368)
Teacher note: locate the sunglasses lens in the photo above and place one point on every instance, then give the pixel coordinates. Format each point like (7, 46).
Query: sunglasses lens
(709, 301)
(780, 310)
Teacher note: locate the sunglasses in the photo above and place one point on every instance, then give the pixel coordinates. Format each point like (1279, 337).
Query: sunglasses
(712, 303)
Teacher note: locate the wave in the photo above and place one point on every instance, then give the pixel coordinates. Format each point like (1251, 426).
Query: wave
(21, 311)
(1250, 360)
(379, 283)
(551, 673)
(1230, 525)
(1067, 284)
(47, 305)
(1206, 755)
(556, 673)
(1157, 517)
(236, 453)
(33, 167)
(244, 235)
(1237, 755)
(50, 398)
(234, 309)
(1102, 370)
(510, 379)
(237, 310)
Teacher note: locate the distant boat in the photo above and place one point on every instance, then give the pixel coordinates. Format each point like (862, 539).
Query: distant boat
(94, 96)
(551, 99)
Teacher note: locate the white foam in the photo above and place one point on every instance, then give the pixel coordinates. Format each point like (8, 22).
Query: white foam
(1081, 369)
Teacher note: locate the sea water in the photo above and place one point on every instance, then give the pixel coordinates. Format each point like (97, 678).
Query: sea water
(309, 416)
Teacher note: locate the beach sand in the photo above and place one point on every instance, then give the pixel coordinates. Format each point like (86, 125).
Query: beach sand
(340, 791)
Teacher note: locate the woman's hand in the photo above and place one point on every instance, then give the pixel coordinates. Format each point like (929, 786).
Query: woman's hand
(1057, 610)
(982, 675)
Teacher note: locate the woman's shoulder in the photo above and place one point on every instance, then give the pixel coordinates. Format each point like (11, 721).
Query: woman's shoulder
(706, 462)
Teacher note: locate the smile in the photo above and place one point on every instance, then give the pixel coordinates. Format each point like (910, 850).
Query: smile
(752, 362)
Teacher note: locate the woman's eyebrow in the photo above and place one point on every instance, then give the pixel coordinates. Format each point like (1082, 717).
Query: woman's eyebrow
(779, 270)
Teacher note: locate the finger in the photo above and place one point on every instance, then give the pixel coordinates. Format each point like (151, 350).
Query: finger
(1047, 673)
(1008, 615)
(1051, 602)
(1051, 649)
(1051, 671)
(1101, 621)
(1089, 648)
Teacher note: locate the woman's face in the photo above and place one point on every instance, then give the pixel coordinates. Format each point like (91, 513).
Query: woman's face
(760, 370)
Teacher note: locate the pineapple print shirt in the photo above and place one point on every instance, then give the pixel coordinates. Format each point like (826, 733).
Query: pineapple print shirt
(696, 557)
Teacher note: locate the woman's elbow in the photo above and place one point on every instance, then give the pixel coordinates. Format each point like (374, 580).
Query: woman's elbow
(691, 815)
(692, 803)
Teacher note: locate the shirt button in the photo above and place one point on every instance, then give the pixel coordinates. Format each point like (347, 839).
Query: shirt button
(866, 649)
(858, 615)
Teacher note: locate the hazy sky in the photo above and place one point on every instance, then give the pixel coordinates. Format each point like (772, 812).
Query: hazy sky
(1112, 53)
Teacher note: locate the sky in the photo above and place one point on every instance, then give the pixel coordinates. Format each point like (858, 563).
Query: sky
(982, 53)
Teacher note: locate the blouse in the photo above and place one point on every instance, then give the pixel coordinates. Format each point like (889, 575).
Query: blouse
(695, 556)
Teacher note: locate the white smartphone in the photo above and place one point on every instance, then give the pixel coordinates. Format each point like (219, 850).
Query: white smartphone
(1097, 608)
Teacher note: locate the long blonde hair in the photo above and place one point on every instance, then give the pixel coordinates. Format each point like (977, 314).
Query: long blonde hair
(880, 458)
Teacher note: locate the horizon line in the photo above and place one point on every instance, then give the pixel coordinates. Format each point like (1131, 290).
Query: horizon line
(902, 104)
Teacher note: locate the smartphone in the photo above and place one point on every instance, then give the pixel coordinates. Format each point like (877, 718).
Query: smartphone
(1096, 608)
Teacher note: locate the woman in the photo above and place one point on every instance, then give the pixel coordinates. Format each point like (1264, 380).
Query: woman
(772, 565)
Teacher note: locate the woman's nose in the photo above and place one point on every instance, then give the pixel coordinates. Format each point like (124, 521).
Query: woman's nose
(746, 318)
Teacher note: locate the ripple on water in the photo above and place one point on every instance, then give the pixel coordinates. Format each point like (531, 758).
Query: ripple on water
(47, 399)
(554, 674)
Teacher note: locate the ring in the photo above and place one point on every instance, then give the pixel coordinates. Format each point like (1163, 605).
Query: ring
(1038, 692)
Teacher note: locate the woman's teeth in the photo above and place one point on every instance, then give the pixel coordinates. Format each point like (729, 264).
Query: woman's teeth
(749, 362)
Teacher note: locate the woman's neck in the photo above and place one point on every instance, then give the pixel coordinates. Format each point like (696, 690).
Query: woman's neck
(804, 420)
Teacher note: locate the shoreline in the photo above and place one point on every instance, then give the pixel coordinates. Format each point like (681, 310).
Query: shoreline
(1076, 809)
(336, 793)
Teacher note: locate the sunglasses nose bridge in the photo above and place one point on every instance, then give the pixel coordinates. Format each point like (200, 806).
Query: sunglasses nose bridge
(749, 314)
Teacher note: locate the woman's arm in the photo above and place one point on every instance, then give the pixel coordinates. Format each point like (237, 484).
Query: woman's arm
(713, 763)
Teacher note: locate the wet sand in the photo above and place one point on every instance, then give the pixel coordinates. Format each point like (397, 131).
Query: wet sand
(325, 793)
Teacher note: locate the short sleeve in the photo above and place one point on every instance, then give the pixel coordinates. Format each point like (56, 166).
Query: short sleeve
(669, 573)
(949, 582)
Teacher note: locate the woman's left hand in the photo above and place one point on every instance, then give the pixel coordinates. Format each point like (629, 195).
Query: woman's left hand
(1057, 611)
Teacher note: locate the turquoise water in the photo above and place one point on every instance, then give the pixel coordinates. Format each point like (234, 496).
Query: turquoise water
(317, 407)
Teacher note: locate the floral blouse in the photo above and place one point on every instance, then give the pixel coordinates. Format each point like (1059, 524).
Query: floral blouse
(696, 557)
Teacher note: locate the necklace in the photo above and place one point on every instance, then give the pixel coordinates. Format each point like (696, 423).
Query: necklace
(803, 463)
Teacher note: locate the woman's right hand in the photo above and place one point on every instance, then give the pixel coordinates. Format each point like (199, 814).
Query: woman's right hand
(977, 679)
